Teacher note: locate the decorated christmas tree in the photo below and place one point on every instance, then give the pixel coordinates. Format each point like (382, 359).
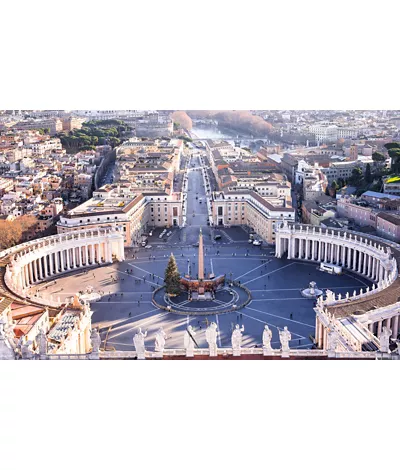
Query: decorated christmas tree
(172, 277)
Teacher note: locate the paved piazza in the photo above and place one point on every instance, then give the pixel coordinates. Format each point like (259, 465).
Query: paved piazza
(275, 285)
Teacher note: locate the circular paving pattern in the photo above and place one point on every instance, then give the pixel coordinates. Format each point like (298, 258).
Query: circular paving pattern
(226, 300)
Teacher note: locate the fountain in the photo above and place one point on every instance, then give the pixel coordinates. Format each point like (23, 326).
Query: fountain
(90, 295)
(312, 291)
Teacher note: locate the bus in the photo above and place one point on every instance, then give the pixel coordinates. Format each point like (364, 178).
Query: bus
(330, 268)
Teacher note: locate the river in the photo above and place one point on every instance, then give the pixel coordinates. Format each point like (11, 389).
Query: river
(215, 133)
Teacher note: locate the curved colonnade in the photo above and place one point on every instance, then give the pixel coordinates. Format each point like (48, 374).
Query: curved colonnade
(355, 320)
(40, 260)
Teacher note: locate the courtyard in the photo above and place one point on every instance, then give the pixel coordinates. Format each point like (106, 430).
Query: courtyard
(126, 290)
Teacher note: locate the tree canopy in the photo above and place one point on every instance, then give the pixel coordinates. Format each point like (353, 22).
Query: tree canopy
(378, 157)
(13, 232)
(181, 119)
(108, 132)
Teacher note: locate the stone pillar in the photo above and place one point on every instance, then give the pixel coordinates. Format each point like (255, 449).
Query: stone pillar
(348, 257)
(79, 256)
(62, 261)
(319, 251)
(371, 328)
(359, 262)
(35, 270)
(289, 250)
(30, 273)
(51, 264)
(378, 334)
(73, 257)
(57, 259)
(320, 335)
(23, 278)
(92, 253)
(46, 266)
(365, 264)
(395, 329)
(41, 268)
(381, 272)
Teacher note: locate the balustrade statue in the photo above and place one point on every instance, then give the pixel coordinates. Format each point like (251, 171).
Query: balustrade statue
(284, 337)
(384, 339)
(211, 337)
(160, 340)
(266, 338)
(138, 341)
(237, 340)
(189, 341)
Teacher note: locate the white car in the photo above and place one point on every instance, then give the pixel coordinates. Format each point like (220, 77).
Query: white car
(148, 247)
(257, 243)
(250, 240)
(169, 234)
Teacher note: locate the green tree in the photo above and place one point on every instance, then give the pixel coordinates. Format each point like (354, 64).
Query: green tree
(341, 183)
(378, 157)
(368, 176)
(172, 277)
(392, 145)
(356, 177)
(394, 154)
(334, 185)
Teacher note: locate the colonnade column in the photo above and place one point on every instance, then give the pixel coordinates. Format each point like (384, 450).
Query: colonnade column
(79, 256)
(360, 257)
(30, 273)
(395, 329)
(35, 271)
(40, 268)
(378, 334)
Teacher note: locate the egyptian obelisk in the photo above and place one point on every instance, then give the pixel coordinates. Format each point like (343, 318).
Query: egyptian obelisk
(201, 257)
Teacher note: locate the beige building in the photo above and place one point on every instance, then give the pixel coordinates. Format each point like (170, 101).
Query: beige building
(249, 208)
(136, 213)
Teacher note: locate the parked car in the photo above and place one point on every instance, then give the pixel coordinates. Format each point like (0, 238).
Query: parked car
(257, 243)
(217, 237)
(148, 247)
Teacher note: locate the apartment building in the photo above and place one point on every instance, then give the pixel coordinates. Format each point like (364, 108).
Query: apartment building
(136, 213)
(251, 209)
